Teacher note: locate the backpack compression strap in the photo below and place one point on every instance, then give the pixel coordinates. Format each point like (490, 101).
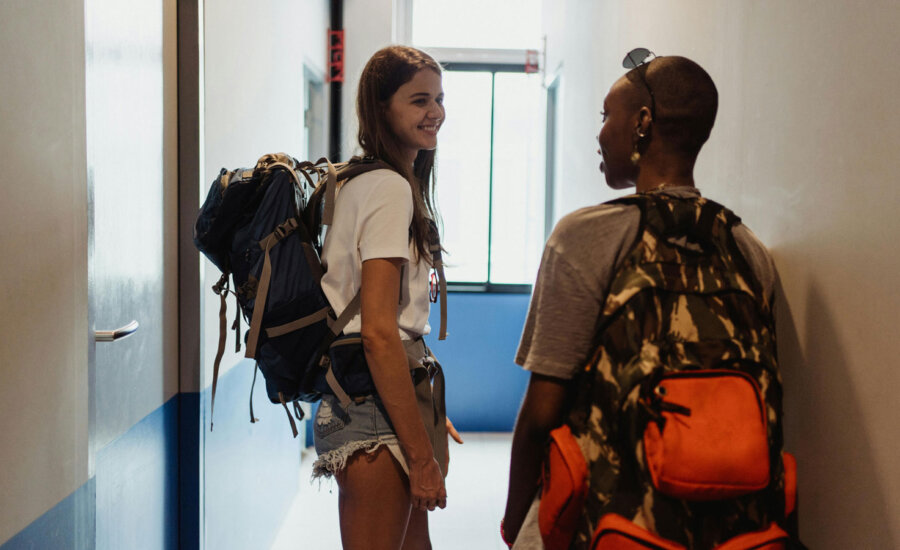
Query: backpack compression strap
(330, 192)
(262, 290)
(337, 326)
(220, 288)
(437, 263)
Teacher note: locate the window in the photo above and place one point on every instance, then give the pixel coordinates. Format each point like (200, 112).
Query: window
(314, 130)
(492, 186)
(552, 156)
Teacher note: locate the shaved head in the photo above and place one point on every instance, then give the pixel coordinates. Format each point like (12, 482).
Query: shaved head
(686, 101)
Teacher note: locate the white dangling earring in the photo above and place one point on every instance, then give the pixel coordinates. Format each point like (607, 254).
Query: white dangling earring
(635, 154)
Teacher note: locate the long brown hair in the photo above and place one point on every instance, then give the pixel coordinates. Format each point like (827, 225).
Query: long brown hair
(386, 71)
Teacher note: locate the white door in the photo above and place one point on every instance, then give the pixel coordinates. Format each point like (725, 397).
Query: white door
(129, 379)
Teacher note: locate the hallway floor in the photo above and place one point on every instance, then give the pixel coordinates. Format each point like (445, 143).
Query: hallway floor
(476, 489)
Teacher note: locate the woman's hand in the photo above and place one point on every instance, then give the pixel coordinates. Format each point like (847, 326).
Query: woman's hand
(451, 431)
(426, 485)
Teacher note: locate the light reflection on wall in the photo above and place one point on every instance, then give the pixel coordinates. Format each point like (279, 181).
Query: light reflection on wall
(477, 24)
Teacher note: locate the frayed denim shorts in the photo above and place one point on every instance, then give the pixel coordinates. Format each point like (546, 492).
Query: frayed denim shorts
(339, 433)
(364, 425)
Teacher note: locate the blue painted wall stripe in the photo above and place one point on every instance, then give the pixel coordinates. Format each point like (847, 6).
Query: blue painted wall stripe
(251, 471)
(131, 502)
(137, 484)
(69, 524)
(484, 385)
(189, 468)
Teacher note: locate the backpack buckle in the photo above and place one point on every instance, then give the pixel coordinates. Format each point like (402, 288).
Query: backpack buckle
(286, 228)
(222, 285)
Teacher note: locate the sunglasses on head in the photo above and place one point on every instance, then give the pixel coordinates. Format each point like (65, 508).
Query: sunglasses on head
(634, 59)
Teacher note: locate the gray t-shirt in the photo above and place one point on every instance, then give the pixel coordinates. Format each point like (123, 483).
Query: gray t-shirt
(584, 252)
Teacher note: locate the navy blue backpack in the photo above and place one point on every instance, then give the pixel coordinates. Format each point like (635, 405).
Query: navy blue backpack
(261, 227)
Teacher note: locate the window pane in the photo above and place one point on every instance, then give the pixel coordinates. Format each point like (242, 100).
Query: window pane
(519, 182)
(477, 24)
(314, 118)
(463, 170)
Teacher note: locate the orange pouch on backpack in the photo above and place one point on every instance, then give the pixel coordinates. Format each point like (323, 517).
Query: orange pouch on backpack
(790, 483)
(710, 439)
(563, 489)
(773, 538)
(617, 533)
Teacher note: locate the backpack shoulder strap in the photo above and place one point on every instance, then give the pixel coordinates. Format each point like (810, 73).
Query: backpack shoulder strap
(360, 165)
(437, 263)
(344, 172)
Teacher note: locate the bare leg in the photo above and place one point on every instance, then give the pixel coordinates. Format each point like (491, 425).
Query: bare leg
(373, 501)
(417, 537)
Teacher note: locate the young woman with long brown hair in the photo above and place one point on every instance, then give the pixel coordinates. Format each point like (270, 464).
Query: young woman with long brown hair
(388, 450)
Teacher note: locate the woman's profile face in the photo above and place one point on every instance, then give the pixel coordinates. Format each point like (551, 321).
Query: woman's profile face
(415, 112)
(617, 136)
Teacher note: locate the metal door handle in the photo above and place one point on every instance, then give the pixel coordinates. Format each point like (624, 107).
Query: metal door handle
(118, 334)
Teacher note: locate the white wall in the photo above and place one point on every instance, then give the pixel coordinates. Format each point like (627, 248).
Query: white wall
(44, 327)
(803, 149)
(254, 98)
(170, 198)
(368, 27)
(571, 50)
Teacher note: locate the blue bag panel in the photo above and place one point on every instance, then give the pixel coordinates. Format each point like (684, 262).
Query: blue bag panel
(206, 218)
(224, 210)
(301, 346)
(291, 272)
(280, 374)
(275, 207)
(292, 282)
(348, 362)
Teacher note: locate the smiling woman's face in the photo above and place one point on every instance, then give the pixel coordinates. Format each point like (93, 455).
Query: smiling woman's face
(416, 111)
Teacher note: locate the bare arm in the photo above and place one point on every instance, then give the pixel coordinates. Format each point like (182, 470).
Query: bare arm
(390, 372)
(541, 412)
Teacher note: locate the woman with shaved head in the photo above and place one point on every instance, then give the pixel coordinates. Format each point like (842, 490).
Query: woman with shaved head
(659, 289)
(655, 120)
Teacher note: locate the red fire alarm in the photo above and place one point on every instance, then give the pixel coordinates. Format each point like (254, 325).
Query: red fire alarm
(531, 61)
(335, 56)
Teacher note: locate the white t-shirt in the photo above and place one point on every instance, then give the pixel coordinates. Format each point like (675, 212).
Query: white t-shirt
(372, 216)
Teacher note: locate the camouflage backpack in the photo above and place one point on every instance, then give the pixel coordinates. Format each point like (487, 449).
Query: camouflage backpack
(684, 299)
